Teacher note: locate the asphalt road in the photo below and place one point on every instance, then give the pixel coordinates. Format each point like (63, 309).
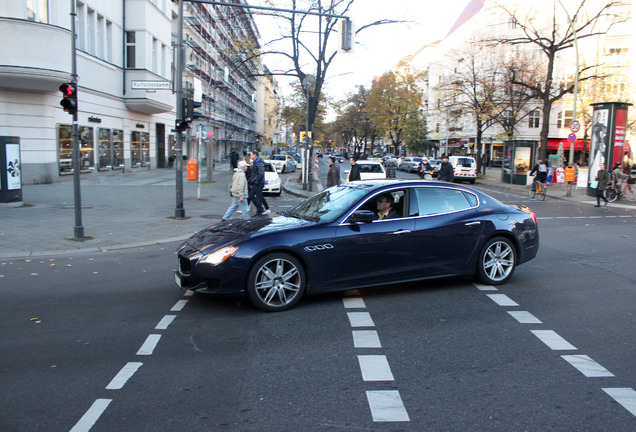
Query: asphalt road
(106, 342)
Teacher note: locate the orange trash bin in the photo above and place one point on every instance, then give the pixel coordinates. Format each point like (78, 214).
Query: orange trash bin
(193, 169)
(570, 174)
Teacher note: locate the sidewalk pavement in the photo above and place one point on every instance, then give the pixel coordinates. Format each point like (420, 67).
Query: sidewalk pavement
(136, 209)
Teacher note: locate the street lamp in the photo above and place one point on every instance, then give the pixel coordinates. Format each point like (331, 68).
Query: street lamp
(307, 82)
(576, 90)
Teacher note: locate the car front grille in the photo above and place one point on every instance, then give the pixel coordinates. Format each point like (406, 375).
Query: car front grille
(185, 267)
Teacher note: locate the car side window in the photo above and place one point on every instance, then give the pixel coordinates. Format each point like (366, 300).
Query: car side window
(397, 207)
(434, 200)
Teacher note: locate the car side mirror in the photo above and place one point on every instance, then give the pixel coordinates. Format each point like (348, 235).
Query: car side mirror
(363, 216)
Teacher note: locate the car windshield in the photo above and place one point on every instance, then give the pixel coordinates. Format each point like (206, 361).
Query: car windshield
(269, 168)
(327, 205)
(279, 157)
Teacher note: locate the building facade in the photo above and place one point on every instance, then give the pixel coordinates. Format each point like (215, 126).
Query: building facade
(451, 61)
(125, 67)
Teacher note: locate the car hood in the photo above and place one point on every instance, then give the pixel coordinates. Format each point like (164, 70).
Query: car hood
(237, 230)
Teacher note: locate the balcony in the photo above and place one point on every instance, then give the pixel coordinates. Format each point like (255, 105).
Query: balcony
(29, 65)
(147, 100)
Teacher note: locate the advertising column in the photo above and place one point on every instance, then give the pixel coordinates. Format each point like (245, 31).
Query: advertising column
(609, 122)
(11, 182)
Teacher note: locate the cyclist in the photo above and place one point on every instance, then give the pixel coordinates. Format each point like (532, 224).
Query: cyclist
(618, 175)
(542, 173)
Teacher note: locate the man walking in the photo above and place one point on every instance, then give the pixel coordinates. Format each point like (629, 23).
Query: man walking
(354, 174)
(333, 176)
(257, 182)
(234, 157)
(239, 192)
(446, 171)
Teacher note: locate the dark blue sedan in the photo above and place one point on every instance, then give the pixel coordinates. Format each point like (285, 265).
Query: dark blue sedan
(335, 241)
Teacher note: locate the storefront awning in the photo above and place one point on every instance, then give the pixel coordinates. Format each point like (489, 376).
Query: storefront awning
(553, 144)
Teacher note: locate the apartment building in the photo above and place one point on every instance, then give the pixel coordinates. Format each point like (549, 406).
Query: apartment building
(448, 61)
(125, 66)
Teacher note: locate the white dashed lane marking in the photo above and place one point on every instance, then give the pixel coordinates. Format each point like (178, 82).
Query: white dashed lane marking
(387, 406)
(375, 368)
(165, 322)
(123, 376)
(366, 339)
(360, 319)
(91, 416)
(502, 300)
(624, 396)
(525, 317)
(587, 366)
(553, 340)
(149, 345)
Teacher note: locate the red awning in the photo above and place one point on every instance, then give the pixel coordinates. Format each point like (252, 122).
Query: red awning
(553, 144)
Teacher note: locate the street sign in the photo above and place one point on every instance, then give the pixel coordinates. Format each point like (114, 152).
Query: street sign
(572, 137)
(575, 126)
(150, 85)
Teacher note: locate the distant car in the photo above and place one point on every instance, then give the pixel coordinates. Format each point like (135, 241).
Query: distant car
(332, 242)
(283, 163)
(465, 168)
(410, 164)
(272, 180)
(370, 170)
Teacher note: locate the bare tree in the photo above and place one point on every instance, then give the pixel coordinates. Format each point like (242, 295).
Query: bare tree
(550, 39)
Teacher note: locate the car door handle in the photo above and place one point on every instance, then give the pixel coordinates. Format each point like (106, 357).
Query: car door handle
(398, 232)
(472, 223)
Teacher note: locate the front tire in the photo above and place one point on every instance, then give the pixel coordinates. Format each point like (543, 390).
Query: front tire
(630, 194)
(497, 261)
(276, 282)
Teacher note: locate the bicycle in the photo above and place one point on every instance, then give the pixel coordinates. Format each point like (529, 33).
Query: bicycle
(616, 192)
(538, 189)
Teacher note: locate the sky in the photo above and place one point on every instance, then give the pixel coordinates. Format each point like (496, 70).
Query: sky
(377, 49)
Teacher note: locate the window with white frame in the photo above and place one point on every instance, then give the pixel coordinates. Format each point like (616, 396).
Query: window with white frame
(154, 55)
(534, 118)
(90, 31)
(38, 10)
(130, 50)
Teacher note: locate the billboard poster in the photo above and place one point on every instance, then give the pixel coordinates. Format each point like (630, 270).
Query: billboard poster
(14, 176)
(598, 145)
(619, 137)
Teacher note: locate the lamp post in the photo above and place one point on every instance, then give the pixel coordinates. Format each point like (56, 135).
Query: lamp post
(307, 81)
(576, 90)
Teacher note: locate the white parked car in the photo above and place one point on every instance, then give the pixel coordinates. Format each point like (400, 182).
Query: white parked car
(464, 167)
(283, 163)
(370, 170)
(272, 180)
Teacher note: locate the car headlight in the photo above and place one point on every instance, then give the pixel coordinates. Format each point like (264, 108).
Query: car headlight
(219, 255)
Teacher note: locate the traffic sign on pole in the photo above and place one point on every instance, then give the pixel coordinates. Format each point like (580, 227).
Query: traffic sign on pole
(572, 137)
(575, 126)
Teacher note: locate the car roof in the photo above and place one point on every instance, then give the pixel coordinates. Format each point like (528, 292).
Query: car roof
(366, 161)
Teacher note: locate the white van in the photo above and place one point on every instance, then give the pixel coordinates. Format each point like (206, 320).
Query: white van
(464, 167)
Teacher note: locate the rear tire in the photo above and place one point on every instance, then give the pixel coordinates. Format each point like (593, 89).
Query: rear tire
(611, 195)
(497, 261)
(276, 282)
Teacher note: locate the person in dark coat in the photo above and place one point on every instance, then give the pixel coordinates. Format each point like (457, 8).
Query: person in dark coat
(333, 176)
(354, 174)
(603, 178)
(257, 182)
(234, 157)
(424, 168)
(446, 172)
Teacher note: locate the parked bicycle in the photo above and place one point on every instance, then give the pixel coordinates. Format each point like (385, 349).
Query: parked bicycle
(616, 191)
(539, 188)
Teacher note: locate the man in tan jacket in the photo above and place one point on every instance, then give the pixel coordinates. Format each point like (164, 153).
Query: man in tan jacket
(238, 190)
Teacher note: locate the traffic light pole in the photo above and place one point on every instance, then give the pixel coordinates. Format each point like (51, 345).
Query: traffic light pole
(79, 229)
(179, 211)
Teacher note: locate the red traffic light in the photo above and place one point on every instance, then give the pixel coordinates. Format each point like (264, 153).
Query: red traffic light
(69, 101)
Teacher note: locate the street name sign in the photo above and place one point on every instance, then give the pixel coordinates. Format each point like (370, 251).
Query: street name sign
(150, 85)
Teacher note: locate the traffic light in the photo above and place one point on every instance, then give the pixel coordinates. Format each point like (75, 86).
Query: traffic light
(69, 97)
(346, 31)
(191, 114)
